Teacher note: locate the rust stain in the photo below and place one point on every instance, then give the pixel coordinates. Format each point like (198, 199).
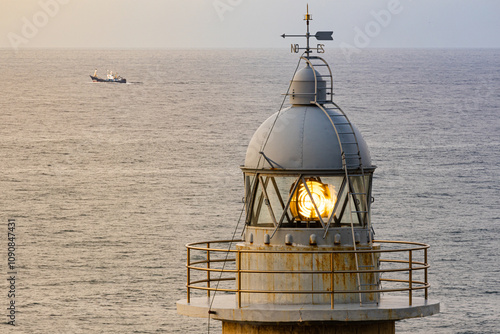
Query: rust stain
(299, 282)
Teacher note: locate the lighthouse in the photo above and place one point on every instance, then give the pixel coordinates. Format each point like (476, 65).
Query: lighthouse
(307, 261)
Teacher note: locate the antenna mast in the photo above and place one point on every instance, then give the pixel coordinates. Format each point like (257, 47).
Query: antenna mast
(308, 18)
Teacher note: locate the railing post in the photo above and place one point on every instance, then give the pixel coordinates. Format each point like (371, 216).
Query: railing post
(425, 274)
(208, 271)
(410, 261)
(238, 268)
(188, 275)
(332, 282)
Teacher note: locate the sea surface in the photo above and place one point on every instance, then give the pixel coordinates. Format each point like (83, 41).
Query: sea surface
(108, 182)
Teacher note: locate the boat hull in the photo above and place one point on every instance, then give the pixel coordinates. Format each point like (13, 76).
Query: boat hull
(97, 79)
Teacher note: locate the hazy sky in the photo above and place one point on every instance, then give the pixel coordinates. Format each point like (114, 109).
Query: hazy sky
(246, 23)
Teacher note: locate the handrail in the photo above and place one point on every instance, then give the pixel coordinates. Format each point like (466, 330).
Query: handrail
(360, 250)
(410, 264)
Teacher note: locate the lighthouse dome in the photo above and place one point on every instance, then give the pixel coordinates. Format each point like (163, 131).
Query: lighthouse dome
(307, 137)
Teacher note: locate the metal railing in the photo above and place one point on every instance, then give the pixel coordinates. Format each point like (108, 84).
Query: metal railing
(203, 258)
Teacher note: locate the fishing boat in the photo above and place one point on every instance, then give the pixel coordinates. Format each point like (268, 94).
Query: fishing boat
(110, 77)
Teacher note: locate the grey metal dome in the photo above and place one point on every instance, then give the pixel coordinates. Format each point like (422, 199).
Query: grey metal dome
(303, 86)
(303, 138)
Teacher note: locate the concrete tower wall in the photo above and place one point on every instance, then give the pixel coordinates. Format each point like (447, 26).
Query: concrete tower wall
(379, 327)
(305, 282)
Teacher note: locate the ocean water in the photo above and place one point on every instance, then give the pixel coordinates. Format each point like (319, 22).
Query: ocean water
(108, 182)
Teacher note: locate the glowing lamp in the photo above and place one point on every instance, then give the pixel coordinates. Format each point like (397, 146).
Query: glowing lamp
(312, 197)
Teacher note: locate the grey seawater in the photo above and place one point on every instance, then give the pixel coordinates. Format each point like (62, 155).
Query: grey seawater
(108, 182)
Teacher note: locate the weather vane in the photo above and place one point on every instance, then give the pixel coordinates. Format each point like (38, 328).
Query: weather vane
(320, 36)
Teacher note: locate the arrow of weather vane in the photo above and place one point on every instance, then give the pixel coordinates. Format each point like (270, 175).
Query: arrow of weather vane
(320, 36)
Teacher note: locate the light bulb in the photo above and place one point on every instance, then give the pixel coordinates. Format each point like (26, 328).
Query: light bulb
(323, 195)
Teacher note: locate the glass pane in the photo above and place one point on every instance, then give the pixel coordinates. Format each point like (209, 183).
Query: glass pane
(258, 208)
(359, 198)
(277, 189)
(249, 185)
(260, 213)
(279, 193)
